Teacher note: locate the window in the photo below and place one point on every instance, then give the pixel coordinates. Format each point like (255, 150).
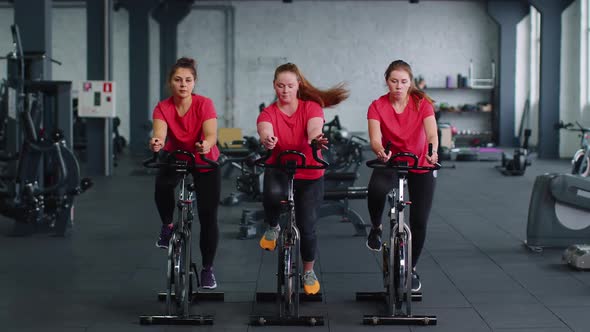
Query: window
(535, 65)
(585, 56)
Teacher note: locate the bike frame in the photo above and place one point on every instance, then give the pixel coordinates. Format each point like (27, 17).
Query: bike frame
(289, 247)
(181, 268)
(581, 158)
(181, 239)
(399, 234)
(397, 257)
(288, 274)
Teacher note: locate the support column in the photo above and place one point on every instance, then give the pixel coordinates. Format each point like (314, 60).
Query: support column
(33, 18)
(99, 131)
(549, 90)
(139, 69)
(168, 14)
(507, 14)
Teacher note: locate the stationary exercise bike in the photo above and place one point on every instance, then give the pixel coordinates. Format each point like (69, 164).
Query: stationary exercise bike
(181, 268)
(581, 159)
(287, 295)
(397, 252)
(517, 163)
(38, 184)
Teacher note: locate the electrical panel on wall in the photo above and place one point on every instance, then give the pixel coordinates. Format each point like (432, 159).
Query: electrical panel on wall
(97, 99)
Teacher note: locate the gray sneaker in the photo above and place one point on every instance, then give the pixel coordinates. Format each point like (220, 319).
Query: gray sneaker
(311, 285)
(269, 239)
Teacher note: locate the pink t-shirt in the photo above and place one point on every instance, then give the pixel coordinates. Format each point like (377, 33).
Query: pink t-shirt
(184, 131)
(291, 132)
(405, 130)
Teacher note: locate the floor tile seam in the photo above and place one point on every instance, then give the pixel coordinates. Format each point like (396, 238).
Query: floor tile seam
(506, 231)
(559, 318)
(531, 327)
(484, 217)
(447, 274)
(558, 306)
(253, 302)
(461, 292)
(508, 274)
(484, 253)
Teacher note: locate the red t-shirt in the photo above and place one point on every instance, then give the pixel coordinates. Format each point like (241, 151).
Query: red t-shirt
(406, 130)
(184, 131)
(291, 132)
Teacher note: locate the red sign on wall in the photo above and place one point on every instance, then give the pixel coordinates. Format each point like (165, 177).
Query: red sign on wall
(107, 87)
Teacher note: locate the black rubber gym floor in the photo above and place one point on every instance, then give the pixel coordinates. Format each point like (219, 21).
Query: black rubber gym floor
(476, 273)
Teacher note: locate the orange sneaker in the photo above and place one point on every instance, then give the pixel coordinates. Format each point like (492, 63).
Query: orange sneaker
(311, 285)
(269, 239)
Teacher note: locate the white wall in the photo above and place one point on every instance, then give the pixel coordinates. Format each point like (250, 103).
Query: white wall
(120, 67)
(354, 41)
(331, 41)
(6, 20)
(69, 44)
(570, 101)
(154, 63)
(201, 35)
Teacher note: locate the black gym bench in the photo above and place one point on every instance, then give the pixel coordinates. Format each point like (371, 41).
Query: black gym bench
(338, 192)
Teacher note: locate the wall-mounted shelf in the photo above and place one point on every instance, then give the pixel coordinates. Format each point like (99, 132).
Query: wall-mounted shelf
(473, 120)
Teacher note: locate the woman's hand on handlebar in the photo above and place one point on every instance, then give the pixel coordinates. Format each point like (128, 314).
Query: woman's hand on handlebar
(203, 147)
(156, 144)
(383, 155)
(433, 159)
(320, 142)
(270, 142)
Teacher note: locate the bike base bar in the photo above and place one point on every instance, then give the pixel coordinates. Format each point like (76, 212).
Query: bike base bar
(262, 320)
(381, 296)
(176, 320)
(198, 296)
(272, 296)
(399, 320)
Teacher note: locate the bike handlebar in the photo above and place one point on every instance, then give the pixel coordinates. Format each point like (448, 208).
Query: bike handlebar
(402, 166)
(568, 126)
(173, 162)
(278, 164)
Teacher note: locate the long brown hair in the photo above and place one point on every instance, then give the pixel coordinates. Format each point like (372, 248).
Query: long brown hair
(416, 94)
(326, 98)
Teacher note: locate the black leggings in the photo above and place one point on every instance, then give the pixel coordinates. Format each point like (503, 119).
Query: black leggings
(421, 190)
(308, 195)
(208, 192)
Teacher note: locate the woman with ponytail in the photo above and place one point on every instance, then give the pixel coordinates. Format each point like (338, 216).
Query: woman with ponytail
(188, 121)
(403, 117)
(292, 123)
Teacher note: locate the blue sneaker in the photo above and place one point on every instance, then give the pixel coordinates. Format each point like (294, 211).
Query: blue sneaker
(165, 235)
(208, 278)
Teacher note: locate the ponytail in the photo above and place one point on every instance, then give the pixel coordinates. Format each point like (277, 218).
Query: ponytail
(326, 98)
